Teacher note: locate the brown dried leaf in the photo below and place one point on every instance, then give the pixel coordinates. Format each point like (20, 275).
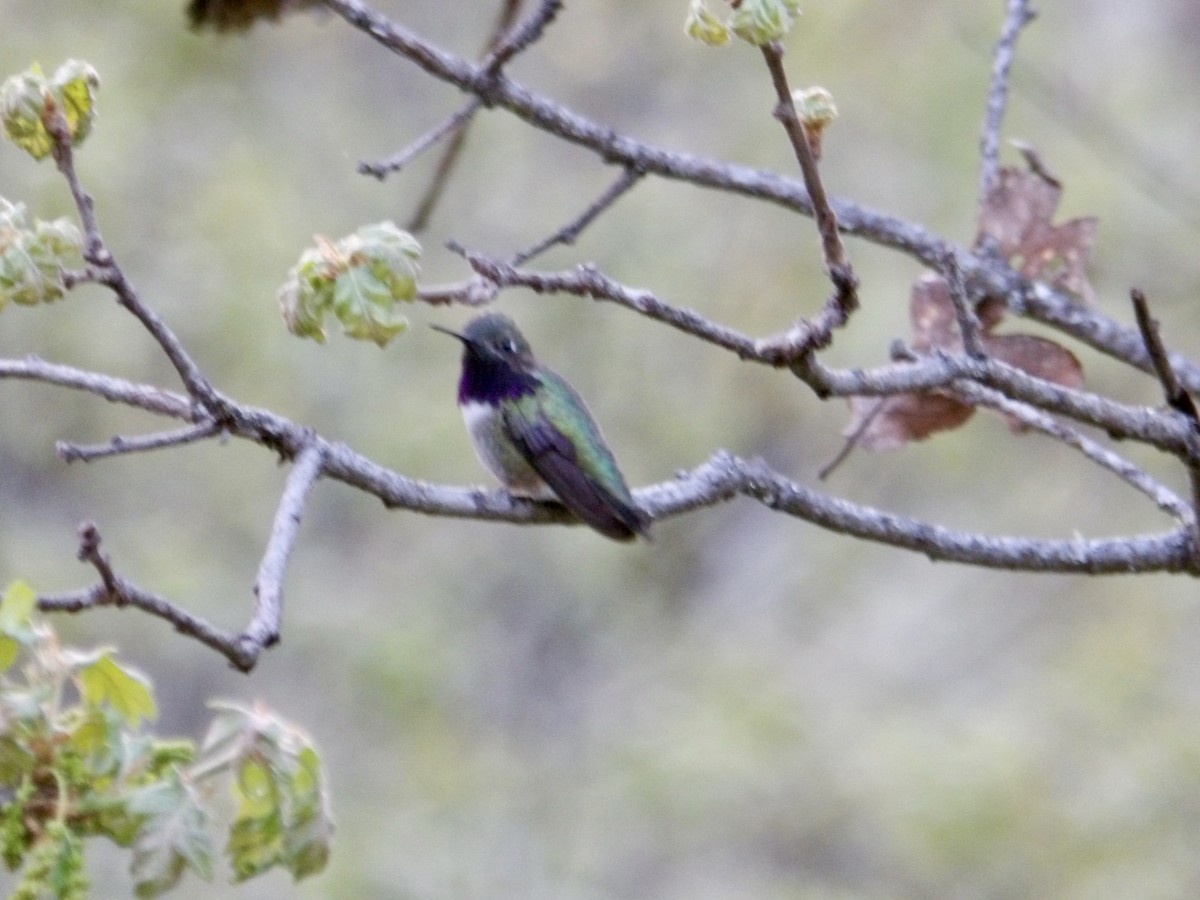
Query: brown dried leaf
(931, 312)
(1037, 356)
(901, 419)
(890, 423)
(226, 15)
(1016, 215)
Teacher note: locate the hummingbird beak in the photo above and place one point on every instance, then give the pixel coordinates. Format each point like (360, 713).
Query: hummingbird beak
(453, 334)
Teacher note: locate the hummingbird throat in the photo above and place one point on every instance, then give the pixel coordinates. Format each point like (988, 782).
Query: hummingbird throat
(489, 382)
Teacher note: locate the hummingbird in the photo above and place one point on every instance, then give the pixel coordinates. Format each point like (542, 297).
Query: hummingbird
(534, 432)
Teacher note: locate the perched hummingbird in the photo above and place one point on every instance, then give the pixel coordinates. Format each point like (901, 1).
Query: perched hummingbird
(534, 433)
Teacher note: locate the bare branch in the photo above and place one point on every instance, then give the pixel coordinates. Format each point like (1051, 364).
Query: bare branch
(725, 476)
(105, 271)
(587, 281)
(454, 122)
(837, 263)
(114, 590)
(984, 276)
(264, 627)
(1177, 398)
(1018, 15)
(69, 452)
(521, 38)
(968, 322)
(940, 370)
(1164, 499)
(571, 231)
(508, 43)
(117, 390)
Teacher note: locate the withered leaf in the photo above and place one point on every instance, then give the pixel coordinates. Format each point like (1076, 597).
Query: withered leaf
(1017, 215)
(890, 423)
(227, 15)
(902, 418)
(931, 312)
(1037, 356)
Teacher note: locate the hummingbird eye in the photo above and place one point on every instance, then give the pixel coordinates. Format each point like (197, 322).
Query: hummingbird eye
(510, 346)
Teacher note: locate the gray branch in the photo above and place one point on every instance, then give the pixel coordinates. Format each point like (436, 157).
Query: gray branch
(971, 376)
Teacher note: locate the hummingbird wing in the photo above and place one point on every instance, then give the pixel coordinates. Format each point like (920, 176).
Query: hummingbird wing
(581, 471)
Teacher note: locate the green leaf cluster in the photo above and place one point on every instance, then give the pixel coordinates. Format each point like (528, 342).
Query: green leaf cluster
(278, 785)
(29, 100)
(358, 279)
(33, 257)
(757, 22)
(75, 763)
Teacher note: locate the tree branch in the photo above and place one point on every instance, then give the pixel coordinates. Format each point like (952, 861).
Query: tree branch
(724, 476)
(1177, 398)
(69, 452)
(105, 271)
(837, 263)
(571, 231)
(454, 122)
(1018, 15)
(264, 627)
(984, 276)
(114, 590)
(970, 376)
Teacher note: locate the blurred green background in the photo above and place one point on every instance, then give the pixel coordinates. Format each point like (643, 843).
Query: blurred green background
(748, 707)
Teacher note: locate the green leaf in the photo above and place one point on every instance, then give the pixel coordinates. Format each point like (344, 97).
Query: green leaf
(54, 868)
(17, 606)
(103, 680)
(255, 845)
(16, 620)
(32, 257)
(761, 21)
(256, 790)
(283, 813)
(15, 761)
(358, 279)
(310, 835)
(704, 26)
(173, 837)
(27, 99)
(75, 83)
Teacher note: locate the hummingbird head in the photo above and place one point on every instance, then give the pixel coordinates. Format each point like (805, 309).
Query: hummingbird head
(498, 363)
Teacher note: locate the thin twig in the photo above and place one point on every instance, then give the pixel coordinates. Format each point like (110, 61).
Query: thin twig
(117, 390)
(837, 263)
(852, 440)
(1177, 398)
(931, 372)
(985, 276)
(106, 272)
(265, 625)
(89, 552)
(1165, 499)
(115, 590)
(119, 445)
(570, 232)
(1018, 15)
(395, 163)
(964, 312)
(508, 42)
(450, 154)
(587, 281)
